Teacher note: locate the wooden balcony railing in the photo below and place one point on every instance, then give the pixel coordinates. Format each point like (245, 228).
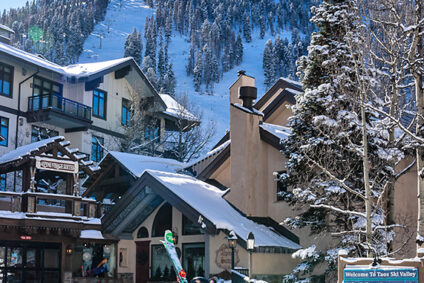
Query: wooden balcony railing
(53, 205)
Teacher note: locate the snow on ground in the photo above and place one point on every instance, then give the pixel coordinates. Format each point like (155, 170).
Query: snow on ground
(120, 20)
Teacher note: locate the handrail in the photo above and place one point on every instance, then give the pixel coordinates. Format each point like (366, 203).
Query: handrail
(57, 102)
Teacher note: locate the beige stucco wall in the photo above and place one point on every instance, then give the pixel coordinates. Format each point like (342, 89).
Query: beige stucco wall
(223, 173)
(281, 116)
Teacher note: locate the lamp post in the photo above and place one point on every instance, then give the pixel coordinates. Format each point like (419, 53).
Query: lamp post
(250, 248)
(232, 241)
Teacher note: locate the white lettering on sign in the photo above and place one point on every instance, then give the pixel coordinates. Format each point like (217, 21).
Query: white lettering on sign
(56, 165)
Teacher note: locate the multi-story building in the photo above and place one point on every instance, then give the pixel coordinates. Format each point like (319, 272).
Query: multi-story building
(89, 104)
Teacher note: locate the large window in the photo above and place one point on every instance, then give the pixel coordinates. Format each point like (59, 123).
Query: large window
(99, 104)
(162, 221)
(2, 182)
(43, 87)
(29, 262)
(190, 228)
(194, 259)
(126, 112)
(162, 269)
(6, 80)
(40, 133)
(4, 131)
(97, 148)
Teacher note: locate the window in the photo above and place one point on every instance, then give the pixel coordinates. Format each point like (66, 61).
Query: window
(99, 104)
(6, 80)
(194, 259)
(44, 87)
(152, 131)
(190, 228)
(143, 233)
(126, 112)
(162, 269)
(40, 133)
(163, 221)
(4, 131)
(97, 148)
(2, 182)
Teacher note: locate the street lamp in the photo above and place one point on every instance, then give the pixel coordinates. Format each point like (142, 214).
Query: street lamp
(232, 242)
(250, 248)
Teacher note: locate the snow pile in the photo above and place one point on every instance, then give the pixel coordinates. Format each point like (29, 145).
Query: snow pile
(136, 163)
(208, 201)
(306, 253)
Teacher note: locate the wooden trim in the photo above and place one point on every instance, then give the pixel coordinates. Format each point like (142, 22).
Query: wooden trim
(215, 164)
(281, 83)
(270, 139)
(277, 102)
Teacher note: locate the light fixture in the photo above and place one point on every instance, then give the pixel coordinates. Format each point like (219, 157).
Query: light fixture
(68, 250)
(250, 242)
(232, 241)
(250, 248)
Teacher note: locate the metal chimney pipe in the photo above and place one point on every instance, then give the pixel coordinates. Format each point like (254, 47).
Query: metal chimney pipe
(248, 94)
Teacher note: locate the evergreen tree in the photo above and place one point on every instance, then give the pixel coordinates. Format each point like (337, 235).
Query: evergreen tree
(133, 46)
(198, 71)
(247, 30)
(190, 63)
(268, 63)
(238, 50)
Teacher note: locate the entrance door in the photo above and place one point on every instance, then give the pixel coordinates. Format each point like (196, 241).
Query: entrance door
(142, 261)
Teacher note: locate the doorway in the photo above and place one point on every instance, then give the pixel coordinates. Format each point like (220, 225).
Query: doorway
(142, 261)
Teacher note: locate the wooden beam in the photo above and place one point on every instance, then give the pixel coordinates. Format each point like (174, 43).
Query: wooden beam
(98, 179)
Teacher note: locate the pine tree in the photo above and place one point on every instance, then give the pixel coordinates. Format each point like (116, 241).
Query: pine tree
(268, 63)
(238, 50)
(190, 63)
(247, 30)
(133, 46)
(198, 71)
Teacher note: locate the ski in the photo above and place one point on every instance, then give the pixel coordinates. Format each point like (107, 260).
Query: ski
(170, 248)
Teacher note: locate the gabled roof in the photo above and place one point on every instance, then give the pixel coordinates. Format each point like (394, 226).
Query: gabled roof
(196, 200)
(176, 110)
(136, 164)
(281, 83)
(14, 159)
(273, 134)
(133, 164)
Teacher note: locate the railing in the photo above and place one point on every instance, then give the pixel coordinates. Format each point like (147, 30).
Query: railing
(34, 204)
(57, 102)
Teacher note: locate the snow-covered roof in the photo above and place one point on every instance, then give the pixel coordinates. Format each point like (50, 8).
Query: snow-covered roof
(76, 70)
(211, 153)
(26, 150)
(175, 109)
(6, 28)
(278, 131)
(91, 234)
(136, 163)
(208, 201)
(248, 110)
(297, 83)
(48, 216)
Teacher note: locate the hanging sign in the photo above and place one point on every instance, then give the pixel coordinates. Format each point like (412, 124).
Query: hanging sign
(381, 275)
(66, 166)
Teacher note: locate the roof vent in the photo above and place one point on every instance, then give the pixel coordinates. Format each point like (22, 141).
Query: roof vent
(248, 94)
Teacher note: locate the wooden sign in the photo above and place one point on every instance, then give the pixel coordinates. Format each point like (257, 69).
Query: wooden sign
(57, 165)
(223, 257)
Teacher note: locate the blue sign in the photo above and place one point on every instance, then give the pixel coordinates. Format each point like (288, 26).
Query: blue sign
(395, 275)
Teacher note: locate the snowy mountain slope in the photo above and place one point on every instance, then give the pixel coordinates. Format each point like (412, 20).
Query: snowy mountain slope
(123, 15)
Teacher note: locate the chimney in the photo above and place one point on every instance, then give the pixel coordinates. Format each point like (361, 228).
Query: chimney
(248, 94)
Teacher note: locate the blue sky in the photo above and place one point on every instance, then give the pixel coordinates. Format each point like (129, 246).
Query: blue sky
(6, 4)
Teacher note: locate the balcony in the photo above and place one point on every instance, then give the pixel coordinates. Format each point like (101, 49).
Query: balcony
(58, 111)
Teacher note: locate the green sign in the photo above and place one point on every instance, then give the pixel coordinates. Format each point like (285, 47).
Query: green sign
(168, 237)
(35, 33)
